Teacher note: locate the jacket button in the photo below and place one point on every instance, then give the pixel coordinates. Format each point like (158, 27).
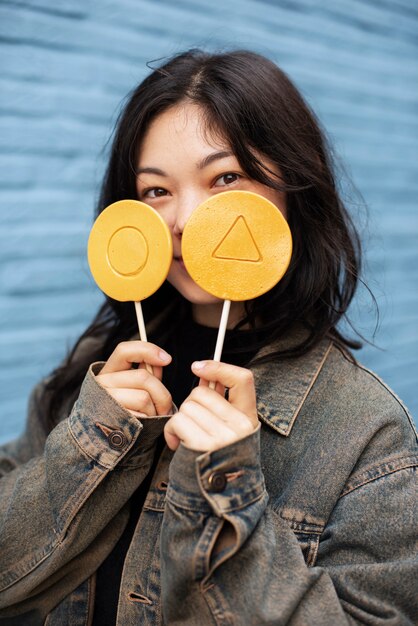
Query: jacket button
(217, 482)
(116, 439)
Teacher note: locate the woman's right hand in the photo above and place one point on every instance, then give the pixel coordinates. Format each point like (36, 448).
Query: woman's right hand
(138, 391)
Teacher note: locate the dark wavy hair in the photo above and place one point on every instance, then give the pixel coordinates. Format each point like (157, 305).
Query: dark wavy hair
(252, 104)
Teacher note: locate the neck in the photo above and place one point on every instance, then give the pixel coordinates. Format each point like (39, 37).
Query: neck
(210, 314)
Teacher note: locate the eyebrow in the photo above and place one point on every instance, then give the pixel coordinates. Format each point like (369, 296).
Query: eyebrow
(150, 170)
(215, 156)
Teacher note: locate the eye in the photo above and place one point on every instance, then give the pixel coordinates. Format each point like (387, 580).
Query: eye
(154, 192)
(227, 179)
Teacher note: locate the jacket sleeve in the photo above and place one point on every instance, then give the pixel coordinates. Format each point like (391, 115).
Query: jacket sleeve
(63, 510)
(228, 558)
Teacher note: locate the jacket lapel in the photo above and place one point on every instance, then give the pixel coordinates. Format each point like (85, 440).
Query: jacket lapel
(283, 386)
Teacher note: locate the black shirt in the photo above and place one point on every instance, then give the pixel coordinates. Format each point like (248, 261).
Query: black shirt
(190, 342)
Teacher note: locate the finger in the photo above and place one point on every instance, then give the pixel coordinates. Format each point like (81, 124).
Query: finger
(239, 381)
(171, 440)
(134, 400)
(140, 379)
(218, 387)
(128, 352)
(182, 428)
(219, 427)
(157, 371)
(202, 416)
(218, 411)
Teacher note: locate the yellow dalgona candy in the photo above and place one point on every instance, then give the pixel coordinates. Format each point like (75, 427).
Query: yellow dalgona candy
(237, 245)
(129, 250)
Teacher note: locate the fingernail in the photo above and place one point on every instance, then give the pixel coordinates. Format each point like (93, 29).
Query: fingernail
(198, 365)
(164, 356)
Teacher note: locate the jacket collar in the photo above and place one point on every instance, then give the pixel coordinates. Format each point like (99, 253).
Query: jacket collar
(282, 386)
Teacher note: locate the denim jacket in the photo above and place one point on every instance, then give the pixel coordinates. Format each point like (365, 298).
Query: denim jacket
(309, 521)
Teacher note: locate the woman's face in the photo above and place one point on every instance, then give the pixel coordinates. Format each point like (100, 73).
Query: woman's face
(179, 166)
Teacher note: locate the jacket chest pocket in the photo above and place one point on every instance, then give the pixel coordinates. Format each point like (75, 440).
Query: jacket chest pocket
(308, 543)
(306, 531)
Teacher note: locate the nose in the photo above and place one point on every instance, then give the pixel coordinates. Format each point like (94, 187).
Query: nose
(185, 207)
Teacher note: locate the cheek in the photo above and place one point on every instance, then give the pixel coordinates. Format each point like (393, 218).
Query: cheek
(282, 205)
(166, 214)
(276, 197)
(138, 190)
(163, 210)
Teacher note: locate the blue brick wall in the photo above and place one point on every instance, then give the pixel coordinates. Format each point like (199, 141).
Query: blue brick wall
(65, 67)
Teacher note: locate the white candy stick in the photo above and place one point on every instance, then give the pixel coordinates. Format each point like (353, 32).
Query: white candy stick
(221, 335)
(142, 331)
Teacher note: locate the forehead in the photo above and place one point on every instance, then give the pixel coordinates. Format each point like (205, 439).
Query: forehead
(182, 127)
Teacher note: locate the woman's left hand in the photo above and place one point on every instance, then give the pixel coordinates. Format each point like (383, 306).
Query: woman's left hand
(207, 421)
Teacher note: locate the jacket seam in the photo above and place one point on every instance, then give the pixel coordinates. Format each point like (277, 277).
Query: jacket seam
(91, 587)
(285, 431)
(387, 388)
(224, 511)
(313, 380)
(307, 528)
(313, 552)
(85, 453)
(383, 472)
(11, 577)
(75, 503)
(102, 464)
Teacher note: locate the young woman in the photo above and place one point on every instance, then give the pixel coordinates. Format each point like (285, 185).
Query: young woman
(285, 494)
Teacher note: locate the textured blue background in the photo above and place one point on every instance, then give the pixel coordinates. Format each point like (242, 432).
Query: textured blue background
(65, 67)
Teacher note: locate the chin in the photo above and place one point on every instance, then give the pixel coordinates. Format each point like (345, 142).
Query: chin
(202, 299)
(192, 292)
(198, 296)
